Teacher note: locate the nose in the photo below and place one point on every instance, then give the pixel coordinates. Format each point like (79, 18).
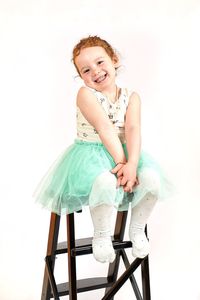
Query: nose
(96, 70)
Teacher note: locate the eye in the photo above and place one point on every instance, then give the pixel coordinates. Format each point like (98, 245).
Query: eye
(100, 62)
(86, 71)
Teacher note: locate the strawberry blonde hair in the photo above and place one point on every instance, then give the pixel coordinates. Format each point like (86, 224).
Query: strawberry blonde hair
(93, 41)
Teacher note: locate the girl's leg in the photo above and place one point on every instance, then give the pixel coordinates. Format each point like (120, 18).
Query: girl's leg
(102, 245)
(149, 180)
(139, 216)
(103, 192)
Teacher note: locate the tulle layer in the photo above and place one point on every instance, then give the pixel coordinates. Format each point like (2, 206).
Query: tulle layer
(67, 185)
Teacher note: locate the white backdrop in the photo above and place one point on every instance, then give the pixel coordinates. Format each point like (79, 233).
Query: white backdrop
(159, 46)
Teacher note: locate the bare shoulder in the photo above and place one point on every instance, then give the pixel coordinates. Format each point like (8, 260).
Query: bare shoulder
(133, 112)
(84, 96)
(134, 99)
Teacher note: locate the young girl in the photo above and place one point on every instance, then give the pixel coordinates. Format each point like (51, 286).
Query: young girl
(105, 167)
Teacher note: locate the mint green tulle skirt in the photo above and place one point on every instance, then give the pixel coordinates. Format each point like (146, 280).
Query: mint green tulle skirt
(67, 185)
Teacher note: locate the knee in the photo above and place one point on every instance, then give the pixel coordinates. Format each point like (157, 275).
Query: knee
(106, 181)
(103, 189)
(150, 180)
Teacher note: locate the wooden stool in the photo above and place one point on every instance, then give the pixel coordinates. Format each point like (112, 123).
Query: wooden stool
(84, 246)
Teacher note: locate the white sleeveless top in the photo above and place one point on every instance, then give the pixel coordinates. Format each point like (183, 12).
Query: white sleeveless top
(115, 111)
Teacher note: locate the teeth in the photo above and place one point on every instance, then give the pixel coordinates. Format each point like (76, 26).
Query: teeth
(101, 78)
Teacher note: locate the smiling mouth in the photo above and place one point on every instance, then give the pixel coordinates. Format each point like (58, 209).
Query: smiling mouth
(101, 78)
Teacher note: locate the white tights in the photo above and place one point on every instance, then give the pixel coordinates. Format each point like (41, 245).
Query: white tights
(148, 179)
(101, 216)
(102, 245)
(139, 217)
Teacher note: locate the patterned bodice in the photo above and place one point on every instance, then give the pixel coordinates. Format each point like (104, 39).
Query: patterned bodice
(115, 111)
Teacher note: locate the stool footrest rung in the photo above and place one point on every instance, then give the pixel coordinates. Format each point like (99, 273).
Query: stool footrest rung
(117, 245)
(84, 285)
(62, 247)
(84, 246)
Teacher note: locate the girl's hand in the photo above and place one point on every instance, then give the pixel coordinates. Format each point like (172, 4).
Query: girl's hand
(126, 174)
(128, 177)
(116, 169)
(130, 186)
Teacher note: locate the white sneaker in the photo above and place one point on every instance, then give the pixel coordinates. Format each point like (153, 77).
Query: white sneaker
(140, 245)
(102, 247)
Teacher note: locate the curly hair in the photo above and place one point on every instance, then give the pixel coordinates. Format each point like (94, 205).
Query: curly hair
(92, 41)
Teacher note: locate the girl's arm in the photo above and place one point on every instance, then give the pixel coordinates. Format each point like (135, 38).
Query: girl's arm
(127, 173)
(95, 115)
(133, 129)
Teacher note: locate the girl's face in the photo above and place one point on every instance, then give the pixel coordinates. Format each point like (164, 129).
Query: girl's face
(96, 68)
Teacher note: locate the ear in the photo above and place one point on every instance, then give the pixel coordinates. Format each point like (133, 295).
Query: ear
(115, 60)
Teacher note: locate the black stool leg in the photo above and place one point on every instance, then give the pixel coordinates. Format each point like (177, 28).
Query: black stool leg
(118, 235)
(71, 259)
(145, 276)
(145, 279)
(51, 248)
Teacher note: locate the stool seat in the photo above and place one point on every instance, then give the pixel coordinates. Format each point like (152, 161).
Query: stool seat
(83, 246)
